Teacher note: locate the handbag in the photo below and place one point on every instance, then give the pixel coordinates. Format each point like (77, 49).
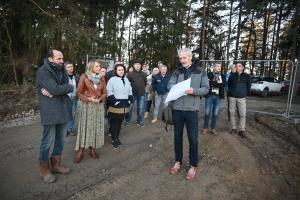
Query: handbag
(167, 116)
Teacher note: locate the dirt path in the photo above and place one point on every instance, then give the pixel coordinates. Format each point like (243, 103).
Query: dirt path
(265, 166)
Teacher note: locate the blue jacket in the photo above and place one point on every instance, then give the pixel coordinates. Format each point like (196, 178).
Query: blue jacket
(227, 77)
(239, 85)
(159, 85)
(199, 82)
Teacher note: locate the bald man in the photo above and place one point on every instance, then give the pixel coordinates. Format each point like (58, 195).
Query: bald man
(53, 87)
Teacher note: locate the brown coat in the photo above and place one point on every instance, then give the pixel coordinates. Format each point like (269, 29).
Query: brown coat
(86, 89)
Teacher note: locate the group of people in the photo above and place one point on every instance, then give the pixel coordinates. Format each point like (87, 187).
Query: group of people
(59, 89)
(237, 84)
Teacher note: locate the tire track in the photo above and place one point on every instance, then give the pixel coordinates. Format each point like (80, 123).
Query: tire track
(9, 153)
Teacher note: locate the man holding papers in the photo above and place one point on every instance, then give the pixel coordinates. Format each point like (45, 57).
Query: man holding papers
(186, 108)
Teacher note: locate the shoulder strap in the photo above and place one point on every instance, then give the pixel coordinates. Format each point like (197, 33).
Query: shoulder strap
(177, 72)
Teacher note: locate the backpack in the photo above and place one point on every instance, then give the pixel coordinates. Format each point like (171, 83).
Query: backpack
(167, 115)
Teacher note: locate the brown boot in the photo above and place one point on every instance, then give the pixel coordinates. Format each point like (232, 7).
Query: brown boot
(233, 131)
(93, 153)
(45, 172)
(56, 167)
(242, 134)
(79, 155)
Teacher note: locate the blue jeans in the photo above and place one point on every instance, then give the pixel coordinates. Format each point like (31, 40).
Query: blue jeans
(74, 107)
(139, 105)
(190, 119)
(56, 132)
(215, 101)
(158, 99)
(145, 101)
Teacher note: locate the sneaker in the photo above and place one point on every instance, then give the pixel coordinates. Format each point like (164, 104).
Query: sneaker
(191, 173)
(118, 142)
(71, 133)
(153, 121)
(109, 134)
(127, 123)
(146, 115)
(141, 124)
(114, 144)
(175, 168)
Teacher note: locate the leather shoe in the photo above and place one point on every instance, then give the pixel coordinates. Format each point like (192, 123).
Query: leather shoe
(214, 132)
(242, 134)
(204, 131)
(233, 131)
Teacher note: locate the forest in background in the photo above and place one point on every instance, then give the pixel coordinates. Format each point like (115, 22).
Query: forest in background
(148, 30)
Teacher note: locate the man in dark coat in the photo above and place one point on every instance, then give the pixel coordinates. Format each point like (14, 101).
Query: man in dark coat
(138, 80)
(239, 85)
(55, 110)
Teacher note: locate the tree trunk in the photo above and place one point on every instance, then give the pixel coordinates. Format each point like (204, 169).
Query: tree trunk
(250, 37)
(11, 58)
(229, 35)
(203, 34)
(294, 47)
(129, 38)
(277, 40)
(121, 37)
(264, 42)
(187, 36)
(238, 31)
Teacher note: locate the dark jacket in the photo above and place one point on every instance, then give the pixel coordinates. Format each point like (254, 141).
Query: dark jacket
(159, 85)
(58, 109)
(199, 82)
(213, 83)
(239, 85)
(108, 75)
(77, 77)
(86, 89)
(138, 82)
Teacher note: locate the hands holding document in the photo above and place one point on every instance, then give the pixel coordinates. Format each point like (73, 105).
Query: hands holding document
(180, 89)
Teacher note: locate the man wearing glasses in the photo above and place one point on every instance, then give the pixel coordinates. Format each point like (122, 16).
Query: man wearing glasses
(239, 85)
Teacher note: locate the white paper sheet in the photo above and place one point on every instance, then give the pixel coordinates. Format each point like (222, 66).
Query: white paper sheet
(178, 90)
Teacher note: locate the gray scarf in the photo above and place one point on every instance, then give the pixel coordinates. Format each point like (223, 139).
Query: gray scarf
(216, 75)
(95, 79)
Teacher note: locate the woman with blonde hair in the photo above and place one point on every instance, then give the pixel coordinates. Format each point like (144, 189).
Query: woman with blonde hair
(92, 92)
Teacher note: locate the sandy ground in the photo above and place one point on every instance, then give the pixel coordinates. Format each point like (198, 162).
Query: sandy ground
(264, 166)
